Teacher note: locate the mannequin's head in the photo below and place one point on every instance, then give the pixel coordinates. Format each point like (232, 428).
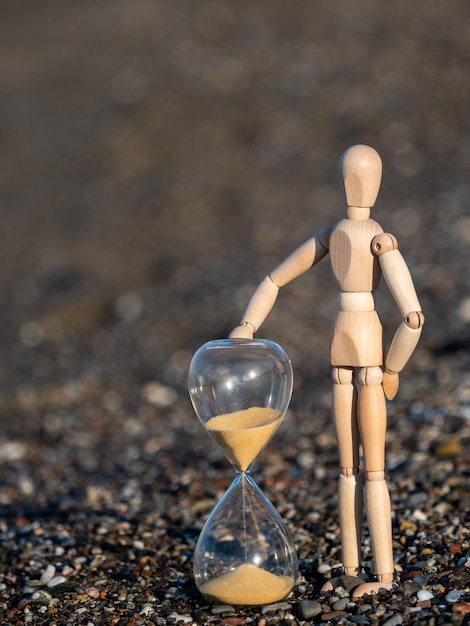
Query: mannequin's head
(360, 172)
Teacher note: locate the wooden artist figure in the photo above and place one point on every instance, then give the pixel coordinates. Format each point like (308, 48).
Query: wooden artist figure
(360, 252)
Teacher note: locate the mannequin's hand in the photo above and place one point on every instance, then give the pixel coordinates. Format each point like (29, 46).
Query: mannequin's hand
(391, 382)
(241, 332)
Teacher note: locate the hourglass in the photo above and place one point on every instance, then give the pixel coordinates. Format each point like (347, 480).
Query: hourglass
(240, 390)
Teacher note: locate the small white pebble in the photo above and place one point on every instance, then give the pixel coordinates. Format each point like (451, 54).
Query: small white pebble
(424, 594)
(12, 450)
(47, 574)
(147, 609)
(324, 569)
(159, 395)
(56, 580)
(419, 516)
(181, 618)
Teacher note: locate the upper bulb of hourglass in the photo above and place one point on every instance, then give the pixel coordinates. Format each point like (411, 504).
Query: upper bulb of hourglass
(240, 390)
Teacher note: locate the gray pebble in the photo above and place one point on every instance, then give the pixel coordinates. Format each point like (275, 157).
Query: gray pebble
(454, 595)
(218, 609)
(409, 588)
(349, 582)
(341, 604)
(359, 619)
(395, 620)
(417, 499)
(278, 606)
(309, 608)
(422, 579)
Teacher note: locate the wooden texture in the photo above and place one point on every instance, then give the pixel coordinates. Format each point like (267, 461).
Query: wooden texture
(357, 339)
(347, 431)
(360, 253)
(402, 347)
(354, 265)
(372, 416)
(260, 304)
(399, 282)
(360, 170)
(301, 260)
(350, 494)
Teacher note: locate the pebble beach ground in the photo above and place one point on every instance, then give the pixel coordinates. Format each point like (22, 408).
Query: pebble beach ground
(157, 159)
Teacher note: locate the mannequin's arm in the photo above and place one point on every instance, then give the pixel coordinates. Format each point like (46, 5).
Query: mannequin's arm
(398, 279)
(264, 297)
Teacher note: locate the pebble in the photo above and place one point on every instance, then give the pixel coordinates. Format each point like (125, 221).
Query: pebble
(181, 618)
(454, 595)
(395, 620)
(309, 609)
(278, 606)
(41, 596)
(219, 609)
(424, 594)
(93, 592)
(349, 582)
(326, 617)
(341, 604)
(56, 580)
(48, 574)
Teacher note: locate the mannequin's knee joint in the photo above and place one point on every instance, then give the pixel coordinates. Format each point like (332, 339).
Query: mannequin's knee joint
(374, 476)
(342, 375)
(370, 376)
(349, 471)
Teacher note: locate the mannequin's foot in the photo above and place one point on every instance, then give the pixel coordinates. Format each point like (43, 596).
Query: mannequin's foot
(371, 588)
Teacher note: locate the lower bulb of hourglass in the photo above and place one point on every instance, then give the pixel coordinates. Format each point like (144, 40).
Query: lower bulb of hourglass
(244, 554)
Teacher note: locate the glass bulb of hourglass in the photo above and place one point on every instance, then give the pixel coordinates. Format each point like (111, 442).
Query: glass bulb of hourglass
(240, 390)
(244, 554)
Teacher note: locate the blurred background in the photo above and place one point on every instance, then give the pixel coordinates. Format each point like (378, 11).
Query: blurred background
(157, 159)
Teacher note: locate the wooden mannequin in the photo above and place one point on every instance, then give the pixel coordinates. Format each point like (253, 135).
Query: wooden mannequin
(360, 253)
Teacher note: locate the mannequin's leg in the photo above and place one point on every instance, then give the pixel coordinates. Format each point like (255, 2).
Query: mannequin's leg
(350, 483)
(372, 424)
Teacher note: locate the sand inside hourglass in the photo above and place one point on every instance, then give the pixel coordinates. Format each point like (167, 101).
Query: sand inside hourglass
(242, 434)
(247, 584)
